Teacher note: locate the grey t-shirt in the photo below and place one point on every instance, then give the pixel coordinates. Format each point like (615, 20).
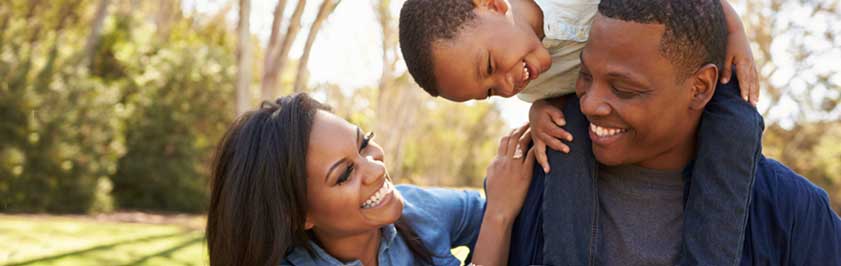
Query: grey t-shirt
(640, 215)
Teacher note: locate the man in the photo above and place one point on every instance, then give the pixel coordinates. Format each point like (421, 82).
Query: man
(648, 71)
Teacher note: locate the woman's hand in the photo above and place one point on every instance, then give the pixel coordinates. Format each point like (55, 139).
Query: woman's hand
(509, 175)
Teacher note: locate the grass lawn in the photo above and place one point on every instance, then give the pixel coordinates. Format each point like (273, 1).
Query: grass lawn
(83, 241)
(59, 240)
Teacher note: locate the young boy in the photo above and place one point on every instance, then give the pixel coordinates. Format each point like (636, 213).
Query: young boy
(463, 50)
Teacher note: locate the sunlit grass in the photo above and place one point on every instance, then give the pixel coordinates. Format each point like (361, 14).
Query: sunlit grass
(56, 240)
(71, 241)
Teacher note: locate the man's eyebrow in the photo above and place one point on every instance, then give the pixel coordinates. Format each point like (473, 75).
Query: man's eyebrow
(358, 143)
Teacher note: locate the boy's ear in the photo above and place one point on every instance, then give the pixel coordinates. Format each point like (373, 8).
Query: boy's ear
(704, 82)
(500, 6)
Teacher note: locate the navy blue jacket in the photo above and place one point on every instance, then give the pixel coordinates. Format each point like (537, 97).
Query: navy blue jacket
(740, 208)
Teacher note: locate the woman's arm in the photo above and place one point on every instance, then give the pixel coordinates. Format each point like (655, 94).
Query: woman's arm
(509, 177)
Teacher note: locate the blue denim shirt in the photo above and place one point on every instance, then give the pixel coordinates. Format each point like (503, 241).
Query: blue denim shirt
(442, 218)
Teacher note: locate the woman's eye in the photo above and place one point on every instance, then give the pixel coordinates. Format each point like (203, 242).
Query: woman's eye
(365, 140)
(345, 175)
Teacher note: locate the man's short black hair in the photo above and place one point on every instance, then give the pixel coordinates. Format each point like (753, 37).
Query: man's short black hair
(424, 22)
(696, 30)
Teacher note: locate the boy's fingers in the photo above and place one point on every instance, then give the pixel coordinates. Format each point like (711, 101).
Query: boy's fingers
(540, 155)
(530, 159)
(555, 144)
(754, 92)
(725, 74)
(559, 133)
(557, 117)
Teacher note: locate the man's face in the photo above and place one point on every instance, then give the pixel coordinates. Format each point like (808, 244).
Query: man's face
(639, 112)
(490, 56)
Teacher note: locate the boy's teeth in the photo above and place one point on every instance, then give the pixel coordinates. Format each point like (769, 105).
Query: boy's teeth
(526, 73)
(606, 132)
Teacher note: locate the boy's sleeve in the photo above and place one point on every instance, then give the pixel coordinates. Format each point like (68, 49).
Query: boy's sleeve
(722, 179)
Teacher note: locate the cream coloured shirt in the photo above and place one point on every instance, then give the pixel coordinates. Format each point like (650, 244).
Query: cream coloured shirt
(566, 25)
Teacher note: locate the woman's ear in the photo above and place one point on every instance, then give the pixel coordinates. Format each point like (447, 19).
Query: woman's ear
(704, 82)
(308, 225)
(500, 6)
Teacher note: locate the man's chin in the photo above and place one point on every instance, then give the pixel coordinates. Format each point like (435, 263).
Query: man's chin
(607, 157)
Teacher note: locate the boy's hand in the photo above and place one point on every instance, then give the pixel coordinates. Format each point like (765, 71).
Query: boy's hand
(546, 122)
(510, 173)
(739, 54)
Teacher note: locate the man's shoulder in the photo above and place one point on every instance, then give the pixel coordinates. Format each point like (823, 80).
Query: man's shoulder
(779, 183)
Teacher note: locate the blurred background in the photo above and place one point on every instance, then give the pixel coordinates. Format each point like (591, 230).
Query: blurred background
(110, 109)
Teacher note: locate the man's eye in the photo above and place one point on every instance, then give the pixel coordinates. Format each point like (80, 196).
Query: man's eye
(624, 94)
(345, 175)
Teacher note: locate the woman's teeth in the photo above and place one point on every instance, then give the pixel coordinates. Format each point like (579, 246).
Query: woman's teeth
(606, 132)
(378, 197)
(526, 73)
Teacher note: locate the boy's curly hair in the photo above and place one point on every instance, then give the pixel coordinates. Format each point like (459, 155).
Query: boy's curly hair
(424, 22)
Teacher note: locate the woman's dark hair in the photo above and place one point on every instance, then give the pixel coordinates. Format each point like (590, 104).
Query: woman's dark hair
(259, 183)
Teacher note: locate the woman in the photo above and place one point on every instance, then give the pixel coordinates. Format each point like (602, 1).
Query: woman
(294, 184)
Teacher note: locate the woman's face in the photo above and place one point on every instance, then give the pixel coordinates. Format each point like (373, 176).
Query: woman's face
(348, 188)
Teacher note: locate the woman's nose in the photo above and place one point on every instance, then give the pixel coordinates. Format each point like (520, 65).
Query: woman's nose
(372, 170)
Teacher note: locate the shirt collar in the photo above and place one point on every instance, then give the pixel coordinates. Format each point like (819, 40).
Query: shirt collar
(300, 256)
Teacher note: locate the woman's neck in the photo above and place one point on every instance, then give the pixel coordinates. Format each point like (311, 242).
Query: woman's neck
(528, 13)
(362, 247)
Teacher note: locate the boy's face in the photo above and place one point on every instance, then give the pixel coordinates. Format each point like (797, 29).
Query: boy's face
(491, 55)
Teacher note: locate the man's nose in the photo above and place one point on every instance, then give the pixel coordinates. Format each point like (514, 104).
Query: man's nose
(594, 102)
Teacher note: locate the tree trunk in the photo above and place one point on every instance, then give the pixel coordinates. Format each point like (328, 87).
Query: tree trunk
(243, 58)
(279, 56)
(96, 31)
(324, 11)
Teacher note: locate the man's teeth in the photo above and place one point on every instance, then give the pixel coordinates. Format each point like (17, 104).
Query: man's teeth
(526, 73)
(606, 132)
(377, 198)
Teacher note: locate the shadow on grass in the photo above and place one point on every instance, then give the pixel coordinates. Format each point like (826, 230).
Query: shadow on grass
(168, 252)
(97, 248)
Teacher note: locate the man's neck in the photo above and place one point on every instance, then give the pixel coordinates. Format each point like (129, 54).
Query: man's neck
(676, 157)
(527, 12)
(363, 247)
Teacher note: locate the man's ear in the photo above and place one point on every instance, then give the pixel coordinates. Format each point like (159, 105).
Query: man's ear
(704, 82)
(500, 6)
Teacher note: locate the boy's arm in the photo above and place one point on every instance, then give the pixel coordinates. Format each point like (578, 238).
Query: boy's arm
(546, 121)
(739, 54)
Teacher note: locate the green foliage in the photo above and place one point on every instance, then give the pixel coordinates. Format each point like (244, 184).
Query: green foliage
(180, 105)
(61, 126)
(139, 124)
